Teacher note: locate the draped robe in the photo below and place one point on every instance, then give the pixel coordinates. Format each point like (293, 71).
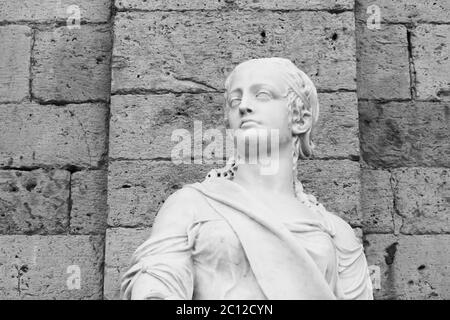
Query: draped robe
(215, 240)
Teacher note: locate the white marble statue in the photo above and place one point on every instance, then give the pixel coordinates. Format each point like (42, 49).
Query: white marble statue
(241, 234)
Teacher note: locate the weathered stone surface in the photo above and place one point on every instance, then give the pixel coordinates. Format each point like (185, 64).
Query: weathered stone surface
(412, 267)
(120, 245)
(431, 55)
(38, 135)
(53, 10)
(383, 62)
(336, 184)
(89, 202)
(34, 202)
(42, 267)
(142, 125)
(377, 201)
(337, 130)
(423, 199)
(235, 4)
(380, 250)
(72, 64)
(137, 189)
(14, 63)
(406, 11)
(193, 51)
(405, 134)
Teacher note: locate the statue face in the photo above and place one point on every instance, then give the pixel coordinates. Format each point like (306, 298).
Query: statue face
(257, 99)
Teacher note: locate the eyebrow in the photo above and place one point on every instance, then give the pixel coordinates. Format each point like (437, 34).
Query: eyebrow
(257, 85)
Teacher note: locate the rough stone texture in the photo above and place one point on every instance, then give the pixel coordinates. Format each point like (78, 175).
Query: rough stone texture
(412, 267)
(380, 250)
(35, 267)
(34, 202)
(89, 204)
(41, 135)
(406, 11)
(405, 134)
(377, 201)
(72, 64)
(194, 51)
(137, 189)
(431, 55)
(336, 184)
(422, 197)
(120, 245)
(235, 4)
(53, 10)
(337, 129)
(383, 62)
(14, 63)
(149, 120)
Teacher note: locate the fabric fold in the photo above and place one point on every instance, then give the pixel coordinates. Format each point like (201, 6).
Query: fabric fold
(283, 269)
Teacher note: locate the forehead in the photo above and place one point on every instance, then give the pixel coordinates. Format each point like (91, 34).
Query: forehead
(253, 73)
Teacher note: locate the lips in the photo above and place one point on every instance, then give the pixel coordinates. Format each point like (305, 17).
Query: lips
(248, 122)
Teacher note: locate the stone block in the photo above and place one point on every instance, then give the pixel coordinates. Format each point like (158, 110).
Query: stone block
(431, 54)
(47, 136)
(124, 5)
(34, 202)
(383, 62)
(406, 11)
(41, 11)
(89, 202)
(15, 63)
(405, 134)
(55, 267)
(72, 65)
(422, 197)
(193, 51)
(412, 267)
(377, 202)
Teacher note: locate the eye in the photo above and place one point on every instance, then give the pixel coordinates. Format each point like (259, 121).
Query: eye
(235, 102)
(264, 95)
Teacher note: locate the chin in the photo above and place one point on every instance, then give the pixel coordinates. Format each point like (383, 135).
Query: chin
(254, 138)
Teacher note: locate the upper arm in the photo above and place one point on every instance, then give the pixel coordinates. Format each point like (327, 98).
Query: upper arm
(162, 265)
(354, 278)
(176, 214)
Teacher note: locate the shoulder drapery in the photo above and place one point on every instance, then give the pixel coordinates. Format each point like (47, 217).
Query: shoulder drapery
(163, 262)
(282, 267)
(275, 256)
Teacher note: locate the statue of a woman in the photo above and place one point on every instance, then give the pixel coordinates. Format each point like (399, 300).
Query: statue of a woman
(243, 234)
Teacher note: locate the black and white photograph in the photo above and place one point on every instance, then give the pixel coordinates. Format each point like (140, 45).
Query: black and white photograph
(225, 150)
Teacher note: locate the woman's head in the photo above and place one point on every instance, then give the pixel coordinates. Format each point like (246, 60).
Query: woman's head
(276, 95)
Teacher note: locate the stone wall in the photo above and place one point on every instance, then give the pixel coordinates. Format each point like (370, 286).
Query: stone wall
(404, 121)
(54, 115)
(85, 156)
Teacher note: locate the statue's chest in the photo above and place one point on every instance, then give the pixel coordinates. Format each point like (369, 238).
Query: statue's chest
(217, 245)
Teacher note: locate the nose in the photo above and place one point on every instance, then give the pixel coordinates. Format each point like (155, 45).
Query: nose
(246, 105)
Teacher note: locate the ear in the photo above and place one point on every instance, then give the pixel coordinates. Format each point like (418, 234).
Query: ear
(305, 123)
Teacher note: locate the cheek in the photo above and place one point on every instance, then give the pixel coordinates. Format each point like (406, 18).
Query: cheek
(281, 121)
(278, 117)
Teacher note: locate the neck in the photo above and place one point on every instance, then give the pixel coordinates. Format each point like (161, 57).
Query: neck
(258, 178)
